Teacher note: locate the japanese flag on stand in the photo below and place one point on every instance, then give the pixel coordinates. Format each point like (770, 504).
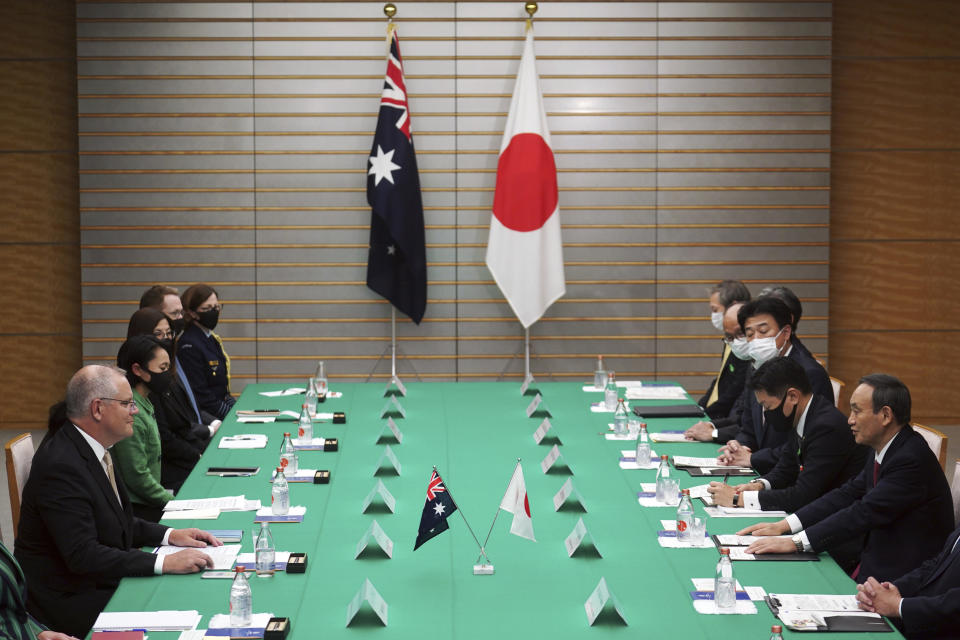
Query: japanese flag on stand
(515, 501)
(525, 251)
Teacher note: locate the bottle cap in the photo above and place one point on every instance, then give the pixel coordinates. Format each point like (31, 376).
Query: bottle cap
(286, 434)
(724, 551)
(663, 457)
(685, 492)
(776, 629)
(621, 399)
(279, 469)
(239, 569)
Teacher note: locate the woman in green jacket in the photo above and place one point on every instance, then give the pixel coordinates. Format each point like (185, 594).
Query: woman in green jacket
(137, 458)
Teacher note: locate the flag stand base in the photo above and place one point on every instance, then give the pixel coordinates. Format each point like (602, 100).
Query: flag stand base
(483, 569)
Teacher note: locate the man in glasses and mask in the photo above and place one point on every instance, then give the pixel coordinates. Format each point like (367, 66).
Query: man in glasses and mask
(819, 455)
(767, 324)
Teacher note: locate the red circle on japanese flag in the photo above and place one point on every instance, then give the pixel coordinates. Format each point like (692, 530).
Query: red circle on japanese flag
(526, 193)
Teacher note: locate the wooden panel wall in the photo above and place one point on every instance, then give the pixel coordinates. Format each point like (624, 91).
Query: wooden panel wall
(39, 252)
(895, 227)
(227, 142)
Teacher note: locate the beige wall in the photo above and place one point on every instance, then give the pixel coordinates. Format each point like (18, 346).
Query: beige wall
(895, 188)
(39, 252)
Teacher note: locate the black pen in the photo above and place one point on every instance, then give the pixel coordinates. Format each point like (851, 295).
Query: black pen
(725, 476)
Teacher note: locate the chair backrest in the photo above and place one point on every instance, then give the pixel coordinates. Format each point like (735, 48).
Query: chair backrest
(838, 386)
(19, 455)
(955, 490)
(937, 441)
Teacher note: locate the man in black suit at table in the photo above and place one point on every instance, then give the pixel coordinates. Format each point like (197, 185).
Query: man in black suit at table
(925, 603)
(726, 387)
(78, 535)
(820, 453)
(900, 500)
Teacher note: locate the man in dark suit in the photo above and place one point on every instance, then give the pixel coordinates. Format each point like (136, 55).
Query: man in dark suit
(767, 324)
(819, 455)
(925, 603)
(78, 535)
(900, 500)
(726, 387)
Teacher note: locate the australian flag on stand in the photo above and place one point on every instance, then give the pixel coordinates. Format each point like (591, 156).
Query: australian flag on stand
(436, 510)
(397, 263)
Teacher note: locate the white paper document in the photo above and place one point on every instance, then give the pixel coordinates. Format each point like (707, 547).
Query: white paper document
(690, 461)
(223, 557)
(280, 557)
(669, 437)
(256, 419)
(709, 607)
(732, 540)
(294, 511)
(740, 512)
(191, 514)
(257, 621)
(293, 391)
(816, 602)
(244, 441)
(656, 393)
(226, 503)
(149, 620)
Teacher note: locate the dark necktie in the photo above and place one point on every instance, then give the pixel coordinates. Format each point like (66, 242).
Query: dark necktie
(876, 472)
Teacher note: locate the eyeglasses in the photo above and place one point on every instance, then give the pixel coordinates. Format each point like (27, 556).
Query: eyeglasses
(163, 334)
(129, 405)
(218, 307)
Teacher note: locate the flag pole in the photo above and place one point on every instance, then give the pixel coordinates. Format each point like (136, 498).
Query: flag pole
(531, 8)
(469, 528)
(393, 343)
(497, 514)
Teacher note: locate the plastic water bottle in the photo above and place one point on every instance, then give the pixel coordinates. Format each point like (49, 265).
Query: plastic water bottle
(663, 473)
(776, 632)
(643, 446)
(311, 397)
(600, 375)
(684, 516)
(305, 427)
(280, 494)
(321, 381)
(241, 600)
(620, 418)
(610, 394)
(265, 551)
(288, 455)
(725, 585)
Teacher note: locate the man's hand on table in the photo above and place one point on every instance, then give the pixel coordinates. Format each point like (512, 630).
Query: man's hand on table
(701, 432)
(193, 538)
(879, 597)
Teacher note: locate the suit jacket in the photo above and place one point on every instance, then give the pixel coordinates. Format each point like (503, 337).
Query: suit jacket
(15, 622)
(205, 365)
(182, 439)
(931, 592)
(730, 382)
(75, 540)
(763, 441)
(906, 515)
(822, 460)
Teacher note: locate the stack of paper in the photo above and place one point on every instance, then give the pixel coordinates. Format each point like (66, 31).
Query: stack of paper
(656, 393)
(293, 391)
(249, 561)
(294, 515)
(220, 626)
(739, 512)
(244, 441)
(223, 557)
(149, 620)
(226, 503)
(302, 475)
(669, 436)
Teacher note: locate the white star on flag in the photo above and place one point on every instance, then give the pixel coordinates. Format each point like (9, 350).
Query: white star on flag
(382, 166)
(438, 508)
(391, 250)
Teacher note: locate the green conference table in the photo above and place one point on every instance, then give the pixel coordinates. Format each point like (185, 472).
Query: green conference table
(473, 433)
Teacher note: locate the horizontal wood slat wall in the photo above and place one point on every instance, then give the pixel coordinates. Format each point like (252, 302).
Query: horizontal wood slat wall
(40, 248)
(228, 143)
(896, 171)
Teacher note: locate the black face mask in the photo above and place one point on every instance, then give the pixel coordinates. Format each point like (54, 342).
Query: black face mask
(159, 382)
(777, 420)
(177, 325)
(209, 318)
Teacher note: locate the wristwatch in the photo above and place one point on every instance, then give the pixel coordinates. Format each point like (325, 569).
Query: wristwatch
(736, 499)
(798, 542)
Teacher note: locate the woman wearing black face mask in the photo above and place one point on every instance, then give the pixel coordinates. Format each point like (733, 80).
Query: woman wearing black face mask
(201, 352)
(137, 458)
(183, 437)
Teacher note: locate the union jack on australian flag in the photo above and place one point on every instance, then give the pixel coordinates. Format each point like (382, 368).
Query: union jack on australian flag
(437, 508)
(397, 262)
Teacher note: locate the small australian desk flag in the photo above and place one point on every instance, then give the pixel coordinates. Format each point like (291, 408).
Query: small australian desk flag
(397, 262)
(436, 510)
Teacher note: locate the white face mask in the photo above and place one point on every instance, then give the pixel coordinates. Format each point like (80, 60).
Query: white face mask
(740, 348)
(717, 319)
(764, 349)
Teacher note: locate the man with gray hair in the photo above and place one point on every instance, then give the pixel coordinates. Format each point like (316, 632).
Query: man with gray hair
(77, 535)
